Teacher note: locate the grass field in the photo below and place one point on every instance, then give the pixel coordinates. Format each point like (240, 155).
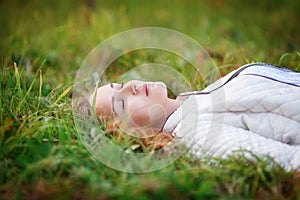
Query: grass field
(41, 156)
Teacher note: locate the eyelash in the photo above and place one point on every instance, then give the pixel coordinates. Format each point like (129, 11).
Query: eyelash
(122, 101)
(123, 104)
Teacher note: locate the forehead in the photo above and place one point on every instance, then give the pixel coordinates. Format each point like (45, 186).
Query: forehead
(103, 104)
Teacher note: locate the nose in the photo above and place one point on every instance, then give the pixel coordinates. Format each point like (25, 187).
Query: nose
(131, 87)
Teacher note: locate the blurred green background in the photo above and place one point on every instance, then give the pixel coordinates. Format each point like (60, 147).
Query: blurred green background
(64, 32)
(40, 153)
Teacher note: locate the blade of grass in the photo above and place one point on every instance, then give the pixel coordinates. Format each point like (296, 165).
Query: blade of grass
(40, 89)
(63, 94)
(18, 81)
(21, 126)
(24, 97)
(31, 85)
(282, 57)
(95, 96)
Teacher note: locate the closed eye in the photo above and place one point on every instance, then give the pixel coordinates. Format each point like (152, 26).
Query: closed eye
(123, 105)
(114, 108)
(122, 101)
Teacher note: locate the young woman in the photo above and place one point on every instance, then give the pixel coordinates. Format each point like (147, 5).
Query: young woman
(254, 110)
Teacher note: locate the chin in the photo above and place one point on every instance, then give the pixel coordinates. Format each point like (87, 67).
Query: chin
(162, 84)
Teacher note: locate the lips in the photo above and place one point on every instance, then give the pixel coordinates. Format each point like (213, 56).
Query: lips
(146, 89)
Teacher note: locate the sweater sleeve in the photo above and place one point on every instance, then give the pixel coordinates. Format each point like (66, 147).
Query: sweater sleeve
(227, 140)
(250, 112)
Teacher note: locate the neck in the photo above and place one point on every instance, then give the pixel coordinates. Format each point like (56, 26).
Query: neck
(172, 106)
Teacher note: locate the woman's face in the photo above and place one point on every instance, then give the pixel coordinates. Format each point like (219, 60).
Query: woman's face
(136, 103)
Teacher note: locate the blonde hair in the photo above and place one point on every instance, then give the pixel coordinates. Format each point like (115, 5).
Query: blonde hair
(154, 142)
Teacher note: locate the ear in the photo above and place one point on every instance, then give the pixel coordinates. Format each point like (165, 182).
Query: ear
(83, 106)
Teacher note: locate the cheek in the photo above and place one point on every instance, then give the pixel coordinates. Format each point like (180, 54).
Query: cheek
(137, 103)
(157, 93)
(152, 116)
(138, 111)
(146, 111)
(140, 117)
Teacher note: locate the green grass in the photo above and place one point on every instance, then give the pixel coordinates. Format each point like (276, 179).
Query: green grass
(40, 153)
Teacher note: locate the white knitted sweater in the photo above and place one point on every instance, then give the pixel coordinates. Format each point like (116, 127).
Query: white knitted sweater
(258, 111)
